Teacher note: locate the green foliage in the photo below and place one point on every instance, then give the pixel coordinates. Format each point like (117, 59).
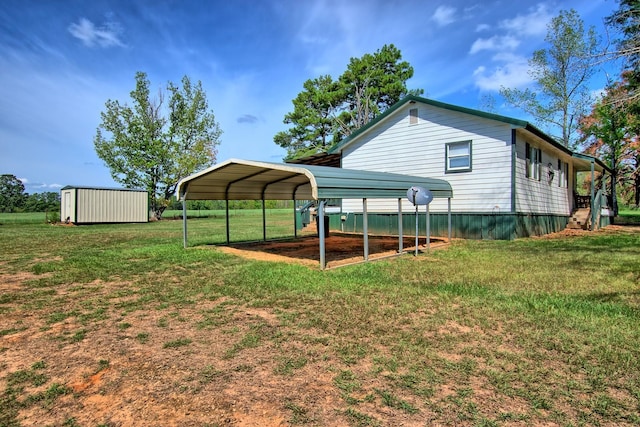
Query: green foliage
(627, 20)
(12, 196)
(153, 146)
(328, 110)
(610, 133)
(561, 74)
(42, 202)
(180, 342)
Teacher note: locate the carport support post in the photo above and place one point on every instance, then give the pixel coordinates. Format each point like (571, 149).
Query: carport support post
(323, 262)
(264, 222)
(400, 225)
(184, 222)
(365, 229)
(295, 220)
(227, 216)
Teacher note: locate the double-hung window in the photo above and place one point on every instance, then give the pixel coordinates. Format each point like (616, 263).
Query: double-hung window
(458, 157)
(534, 159)
(563, 169)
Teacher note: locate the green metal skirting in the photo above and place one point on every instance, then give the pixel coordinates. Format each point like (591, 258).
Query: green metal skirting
(464, 225)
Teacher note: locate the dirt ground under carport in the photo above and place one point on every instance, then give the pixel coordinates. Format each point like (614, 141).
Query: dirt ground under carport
(340, 248)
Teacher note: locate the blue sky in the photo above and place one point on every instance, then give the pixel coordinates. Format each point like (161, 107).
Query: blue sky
(60, 61)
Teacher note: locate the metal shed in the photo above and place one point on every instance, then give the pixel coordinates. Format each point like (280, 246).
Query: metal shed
(252, 180)
(93, 205)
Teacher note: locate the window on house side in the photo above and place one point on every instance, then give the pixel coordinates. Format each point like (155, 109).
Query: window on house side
(534, 159)
(413, 116)
(458, 157)
(563, 170)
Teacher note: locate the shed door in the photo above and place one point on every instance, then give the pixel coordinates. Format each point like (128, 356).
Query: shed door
(67, 206)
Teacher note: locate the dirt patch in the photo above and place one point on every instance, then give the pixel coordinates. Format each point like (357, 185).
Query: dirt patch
(340, 249)
(217, 362)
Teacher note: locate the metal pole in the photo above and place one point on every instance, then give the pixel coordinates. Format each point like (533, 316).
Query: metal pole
(264, 222)
(400, 225)
(321, 234)
(227, 217)
(416, 253)
(184, 222)
(449, 217)
(365, 229)
(428, 230)
(295, 220)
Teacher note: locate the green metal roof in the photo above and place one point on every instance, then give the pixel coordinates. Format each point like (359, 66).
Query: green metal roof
(252, 180)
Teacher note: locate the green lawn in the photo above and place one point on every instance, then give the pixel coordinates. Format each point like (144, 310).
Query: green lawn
(484, 333)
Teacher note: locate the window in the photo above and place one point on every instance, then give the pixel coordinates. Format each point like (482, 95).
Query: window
(413, 116)
(458, 157)
(563, 171)
(534, 158)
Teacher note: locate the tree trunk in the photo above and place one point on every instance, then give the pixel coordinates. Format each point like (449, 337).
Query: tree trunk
(636, 189)
(614, 198)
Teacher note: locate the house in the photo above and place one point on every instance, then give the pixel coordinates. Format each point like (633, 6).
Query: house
(509, 179)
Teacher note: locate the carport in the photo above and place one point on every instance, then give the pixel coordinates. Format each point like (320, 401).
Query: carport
(252, 180)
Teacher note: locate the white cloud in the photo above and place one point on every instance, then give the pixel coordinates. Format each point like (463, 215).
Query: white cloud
(513, 73)
(105, 36)
(23, 180)
(444, 15)
(532, 24)
(496, 43)
(483, 27)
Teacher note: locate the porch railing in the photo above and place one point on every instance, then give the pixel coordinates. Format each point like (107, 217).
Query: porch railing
(583, 201)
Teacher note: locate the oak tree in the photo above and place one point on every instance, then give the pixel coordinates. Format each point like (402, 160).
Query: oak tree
(155, 142)
(12, 195)
(561, 74)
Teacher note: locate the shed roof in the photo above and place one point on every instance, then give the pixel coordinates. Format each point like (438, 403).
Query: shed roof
(253, 180)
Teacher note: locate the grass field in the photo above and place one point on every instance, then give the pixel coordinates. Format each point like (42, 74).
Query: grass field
(119, 325)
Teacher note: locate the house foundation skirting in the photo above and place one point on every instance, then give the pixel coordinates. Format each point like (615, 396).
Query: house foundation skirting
(479, 226)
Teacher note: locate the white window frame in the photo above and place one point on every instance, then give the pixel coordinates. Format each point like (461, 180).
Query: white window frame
(563, 172)
(449, 157)
(534, 162)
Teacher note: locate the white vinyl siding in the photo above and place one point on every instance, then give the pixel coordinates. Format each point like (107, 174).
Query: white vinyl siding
(392, 146)
(543, 195)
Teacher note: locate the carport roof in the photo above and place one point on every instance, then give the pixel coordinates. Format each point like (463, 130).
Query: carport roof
(253, 180)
